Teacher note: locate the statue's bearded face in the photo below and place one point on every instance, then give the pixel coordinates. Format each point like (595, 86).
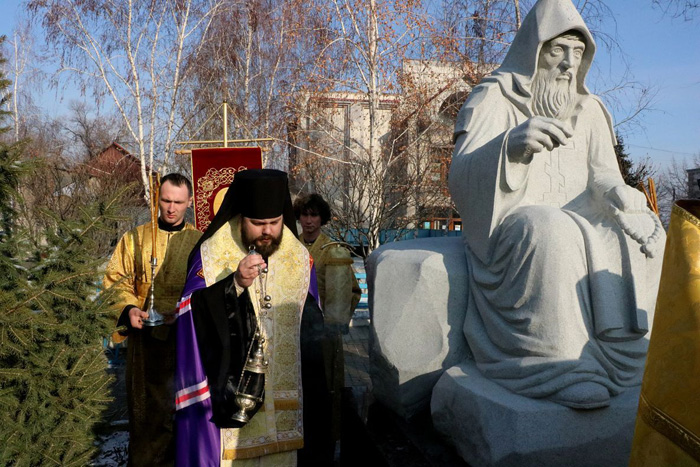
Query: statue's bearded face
(554, 87)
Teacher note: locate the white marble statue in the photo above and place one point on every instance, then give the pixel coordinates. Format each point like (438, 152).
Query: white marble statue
(564, 258)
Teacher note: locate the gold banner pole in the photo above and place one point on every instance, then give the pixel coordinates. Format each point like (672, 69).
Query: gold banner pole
(225, 124)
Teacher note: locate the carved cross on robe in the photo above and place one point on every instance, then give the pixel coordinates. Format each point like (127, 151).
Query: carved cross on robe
(557, 195)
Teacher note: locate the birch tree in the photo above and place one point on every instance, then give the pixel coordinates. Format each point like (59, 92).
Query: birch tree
(248, 58)
(411, 64)
(132, 55)
(352, 142)
(24, 75)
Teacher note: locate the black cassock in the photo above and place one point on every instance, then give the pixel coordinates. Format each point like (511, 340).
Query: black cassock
(224, 324)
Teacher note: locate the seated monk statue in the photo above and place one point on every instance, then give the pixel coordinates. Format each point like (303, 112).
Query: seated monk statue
(564, 258)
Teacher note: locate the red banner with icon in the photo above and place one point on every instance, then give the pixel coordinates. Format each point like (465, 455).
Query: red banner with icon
(213, 170)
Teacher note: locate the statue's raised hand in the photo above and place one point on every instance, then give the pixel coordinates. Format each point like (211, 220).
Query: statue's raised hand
(535, 135)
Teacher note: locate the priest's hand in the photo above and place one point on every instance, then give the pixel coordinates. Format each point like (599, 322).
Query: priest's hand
(536, 134)
(136, 317)
(248, 269)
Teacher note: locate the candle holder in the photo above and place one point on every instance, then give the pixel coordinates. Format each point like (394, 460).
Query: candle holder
(154, 318)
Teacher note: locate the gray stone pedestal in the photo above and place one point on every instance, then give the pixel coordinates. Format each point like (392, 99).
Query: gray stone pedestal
(417, 298)
(491, 426)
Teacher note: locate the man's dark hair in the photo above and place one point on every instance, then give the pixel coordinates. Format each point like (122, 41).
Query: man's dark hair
(177, 180)
(312, 204)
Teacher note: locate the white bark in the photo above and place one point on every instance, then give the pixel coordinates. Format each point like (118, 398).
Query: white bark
(135, 53)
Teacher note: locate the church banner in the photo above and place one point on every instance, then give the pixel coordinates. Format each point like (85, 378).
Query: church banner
(213, 170)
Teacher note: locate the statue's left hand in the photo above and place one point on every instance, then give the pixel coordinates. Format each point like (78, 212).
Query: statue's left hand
(627, 199)
(629, 209)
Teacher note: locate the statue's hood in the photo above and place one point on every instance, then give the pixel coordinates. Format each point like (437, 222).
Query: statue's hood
(546, 20)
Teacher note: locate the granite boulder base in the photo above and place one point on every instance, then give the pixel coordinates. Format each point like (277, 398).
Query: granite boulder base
(491, 426)
(417, 298)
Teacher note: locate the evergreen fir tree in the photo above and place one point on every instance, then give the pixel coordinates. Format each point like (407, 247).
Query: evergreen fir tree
(633, 174)
(53, 378)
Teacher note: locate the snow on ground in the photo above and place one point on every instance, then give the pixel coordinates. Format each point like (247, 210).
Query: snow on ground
(113, 450)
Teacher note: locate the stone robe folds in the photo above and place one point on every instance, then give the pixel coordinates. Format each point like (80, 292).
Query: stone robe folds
(150, 351)
(559, 294)
(276, 430)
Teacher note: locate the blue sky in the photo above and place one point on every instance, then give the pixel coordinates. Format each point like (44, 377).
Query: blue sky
(661, 51)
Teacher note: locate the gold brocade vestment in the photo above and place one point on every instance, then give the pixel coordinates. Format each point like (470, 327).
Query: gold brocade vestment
(322, 258)
(129, 270)
(277, 428)
(668, 421)
(151, 351)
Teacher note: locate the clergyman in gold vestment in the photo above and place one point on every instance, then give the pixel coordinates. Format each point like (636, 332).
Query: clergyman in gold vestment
(151, 350)
(337, 287)
(249, 292)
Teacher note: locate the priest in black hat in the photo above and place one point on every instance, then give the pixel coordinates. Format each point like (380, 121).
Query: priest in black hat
(249, 331)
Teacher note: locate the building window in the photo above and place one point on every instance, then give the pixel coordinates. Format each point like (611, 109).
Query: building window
(439, 165)
(443, 223)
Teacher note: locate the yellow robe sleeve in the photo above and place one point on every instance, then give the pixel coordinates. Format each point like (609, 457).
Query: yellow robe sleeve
(119, 275)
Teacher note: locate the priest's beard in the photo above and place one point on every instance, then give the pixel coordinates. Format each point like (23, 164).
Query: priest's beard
(264, 249)
(551, 97)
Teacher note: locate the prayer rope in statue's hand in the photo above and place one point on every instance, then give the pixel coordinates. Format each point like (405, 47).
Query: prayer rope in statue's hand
(632, 223)
(628, 206)
(627, 199)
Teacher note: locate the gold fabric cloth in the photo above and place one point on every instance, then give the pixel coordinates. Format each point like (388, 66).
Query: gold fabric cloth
(338, 310)
(129, 269)
(667, 431)
(278, 425)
